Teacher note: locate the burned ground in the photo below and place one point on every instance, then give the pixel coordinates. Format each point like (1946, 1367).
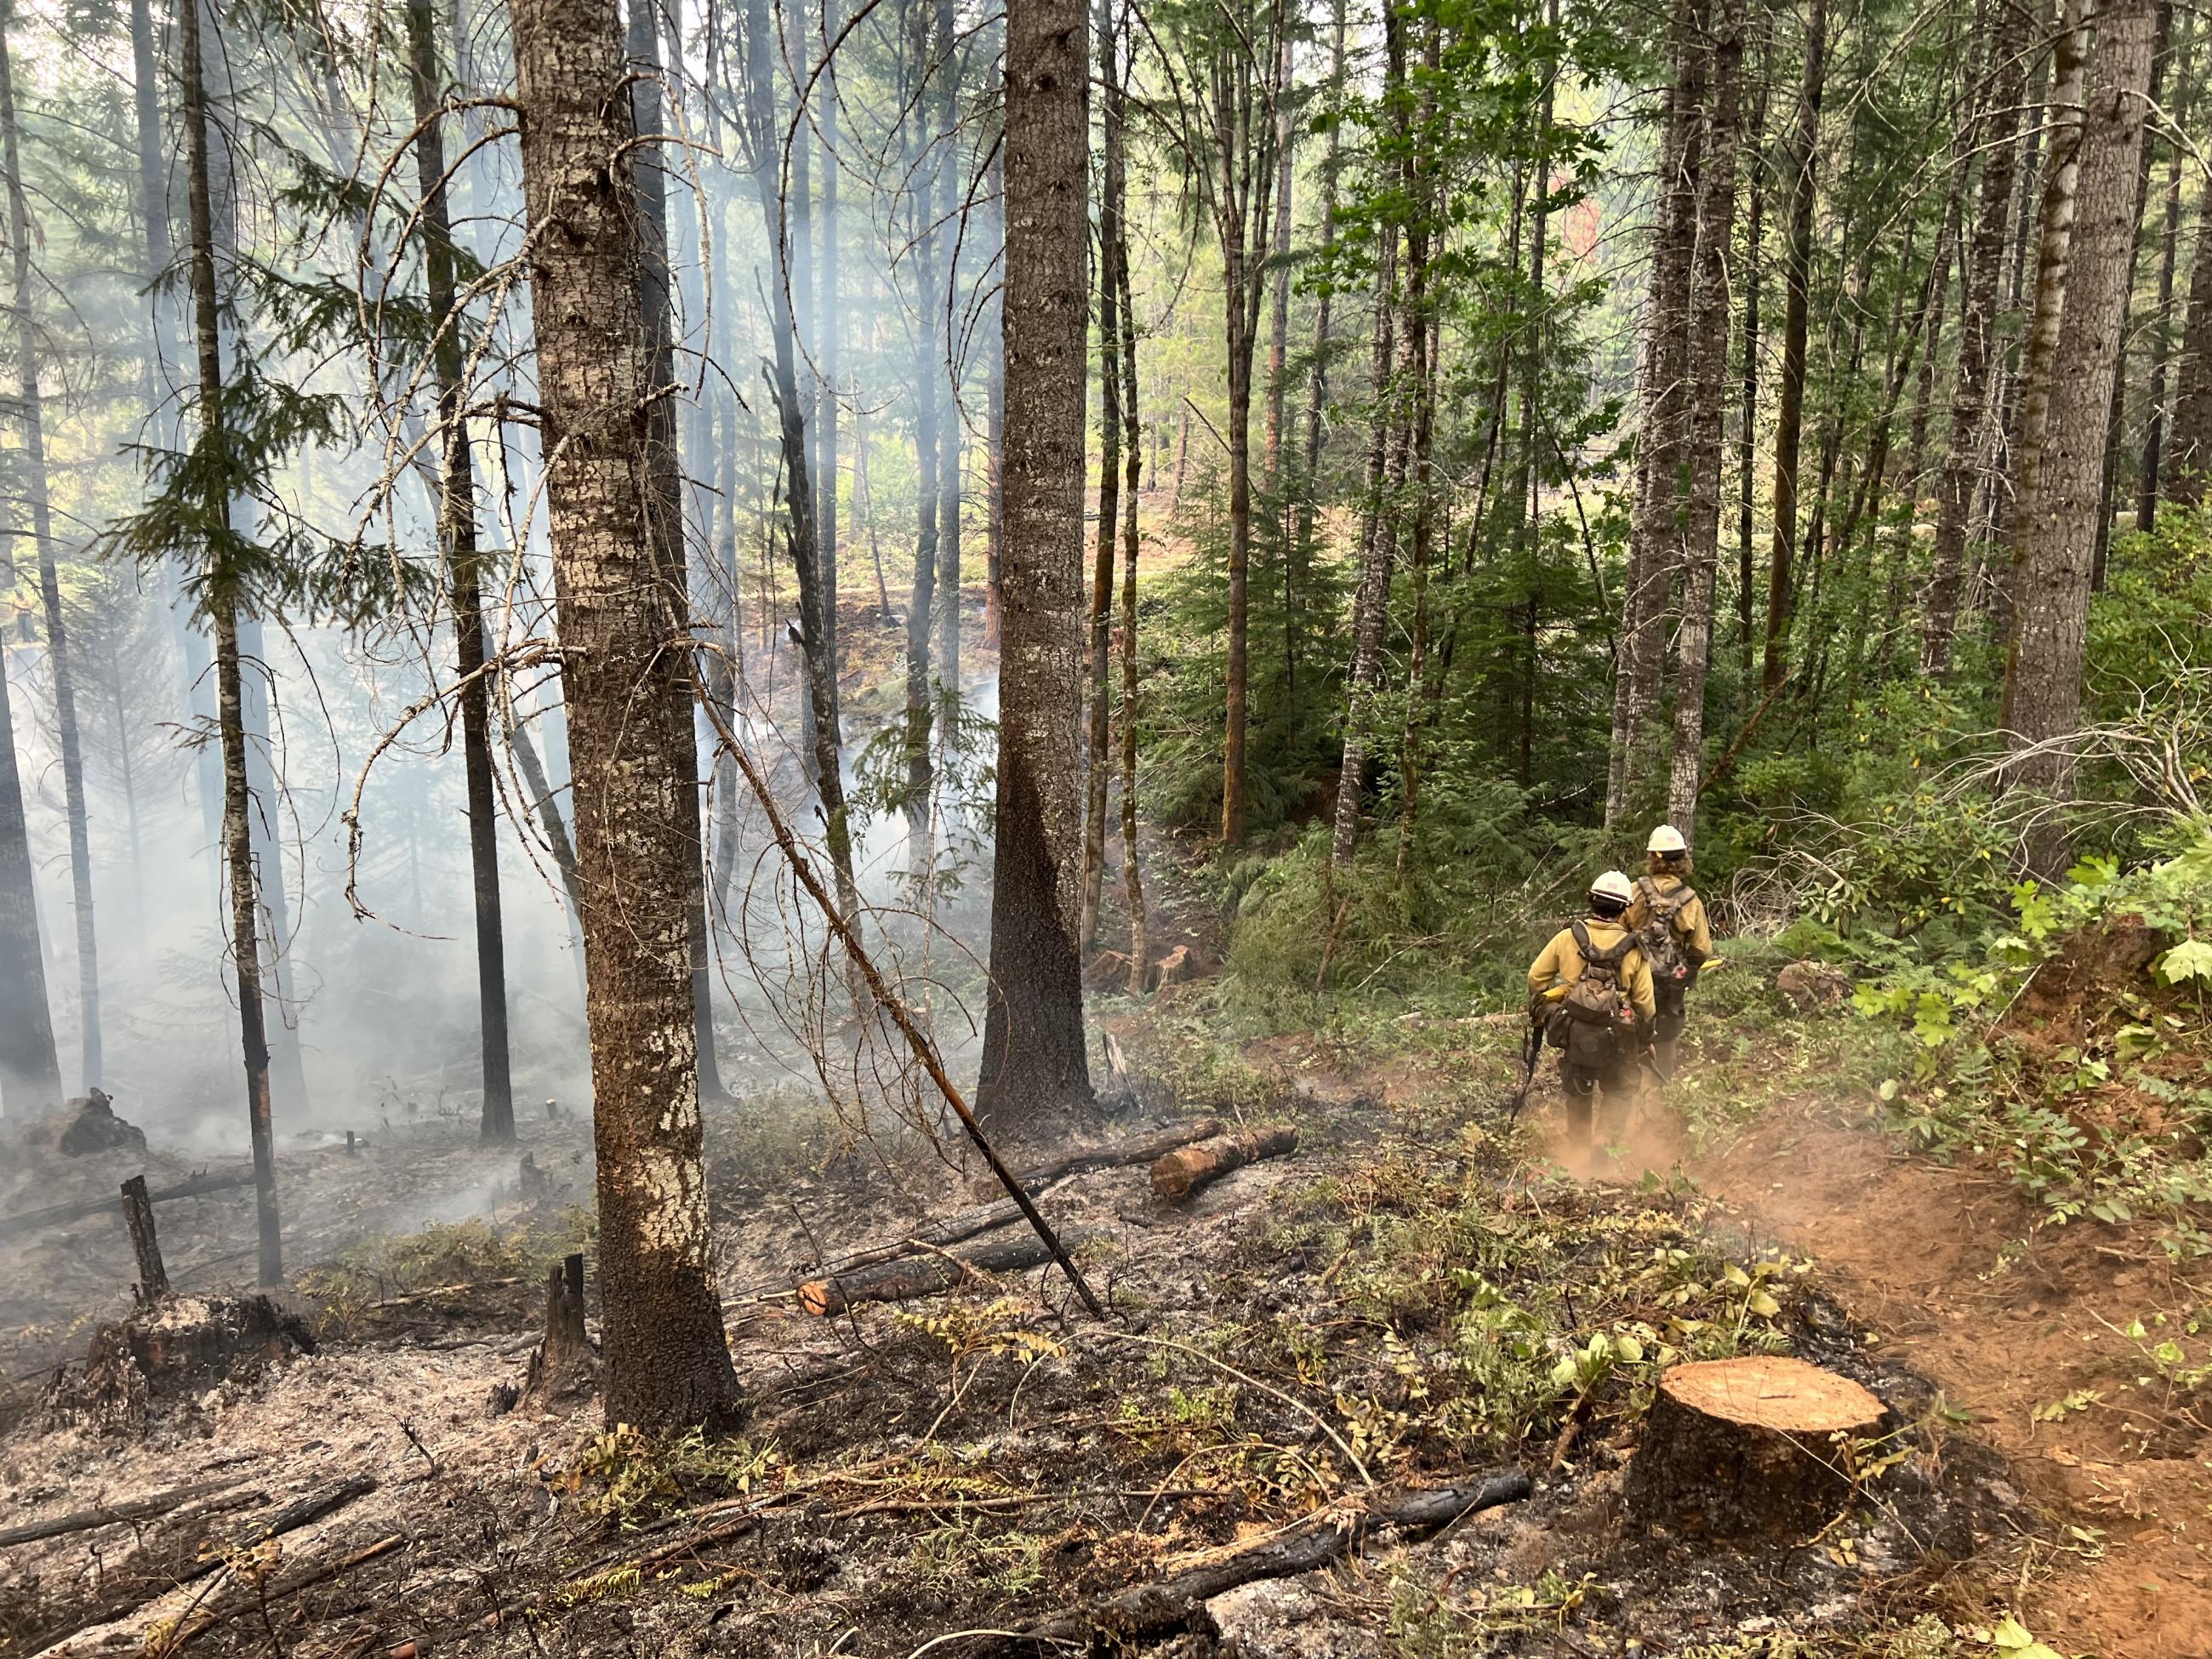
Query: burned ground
(1406, 1303)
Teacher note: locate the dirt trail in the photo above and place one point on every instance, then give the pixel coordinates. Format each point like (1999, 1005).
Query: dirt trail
(2020, 1328)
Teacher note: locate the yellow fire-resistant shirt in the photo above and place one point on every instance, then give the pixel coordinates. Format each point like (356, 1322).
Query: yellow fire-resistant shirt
(1561, 963)
(1691, 931)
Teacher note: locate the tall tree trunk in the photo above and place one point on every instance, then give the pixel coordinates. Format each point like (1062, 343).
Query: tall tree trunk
(1708, 307)
(1790, 416)
(924, 167)
(1655, 527)
(951, 479)
(1244, 163)
(1132, 880)
(637, 855)
(2054, 259)
(1969, 402)
(1279, 256)
(1302, 541)
(32, 461)
(457, 525)
(828, 314)
(2189, 450)
(818, 641)
(1099, 762)
(1420, 326)
(950, 431)
(1748, 434)
(1033, 1046)
(994, 449)
(2057, 539)
(221, 586)
(666, 503)
(30, 1074)
(2162, 360)
(1371, 603)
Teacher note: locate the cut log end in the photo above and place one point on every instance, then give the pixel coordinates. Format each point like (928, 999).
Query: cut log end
(1181, 1172)
(1735, 1447)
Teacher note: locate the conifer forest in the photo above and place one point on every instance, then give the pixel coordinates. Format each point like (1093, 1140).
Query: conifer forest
(1219, 828)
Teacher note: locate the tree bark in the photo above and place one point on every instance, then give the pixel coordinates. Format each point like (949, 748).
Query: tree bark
(817, 644)
(1034, 1062)
(664, 507)
(1098, 764)
(1132, 881)
(2188, 451)
(925, 169)
(222, 587)
(1279, 256)
(1302, 541)
(1970, 401)
(1790, 415)
(829, 316)
(667, 1362)
(950, 481)
(2146, 489)
(457, 526)
(1708, 308)
(1748, 434)
(32, 461)
(1371, 603)
(1238, 170)
(2056, 546)
(2054, 258)
(1655, 525)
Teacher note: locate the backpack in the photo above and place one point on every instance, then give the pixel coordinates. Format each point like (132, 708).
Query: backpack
(1661, 944)
(1596, 1011)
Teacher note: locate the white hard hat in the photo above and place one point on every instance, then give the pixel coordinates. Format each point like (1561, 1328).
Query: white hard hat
(1612, 885)
(1666, 839)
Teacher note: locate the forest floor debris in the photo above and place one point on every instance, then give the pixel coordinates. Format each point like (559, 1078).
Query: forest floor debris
(1407, 1303)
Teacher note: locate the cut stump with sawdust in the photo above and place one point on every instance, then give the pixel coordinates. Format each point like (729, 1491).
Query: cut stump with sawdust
(1760, 1445)
(1181, 1172)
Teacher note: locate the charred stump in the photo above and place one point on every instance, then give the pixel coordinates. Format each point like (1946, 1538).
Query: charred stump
(565, 1363)
(145, 1247)
(1738, 1447)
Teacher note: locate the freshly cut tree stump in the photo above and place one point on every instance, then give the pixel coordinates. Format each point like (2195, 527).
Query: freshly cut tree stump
(1183, 1171)
(1735, 1447)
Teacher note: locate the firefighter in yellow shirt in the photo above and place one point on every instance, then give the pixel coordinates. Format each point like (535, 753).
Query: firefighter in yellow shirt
(1603, 1007)
(1669, 919)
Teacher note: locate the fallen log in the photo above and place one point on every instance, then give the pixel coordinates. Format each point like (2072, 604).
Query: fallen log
(161, 1643)
(1735, 1447)
(108, 1515)
(1180, 1173)
(30, 1221)
(935, 1235)
(1321, 1539)
(930, 1274)
(1138, 1149)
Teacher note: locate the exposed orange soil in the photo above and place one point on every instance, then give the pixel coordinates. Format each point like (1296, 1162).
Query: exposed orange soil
(1947, 1268)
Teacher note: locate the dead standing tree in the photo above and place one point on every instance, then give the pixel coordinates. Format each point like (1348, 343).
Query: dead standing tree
(667, 1360)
